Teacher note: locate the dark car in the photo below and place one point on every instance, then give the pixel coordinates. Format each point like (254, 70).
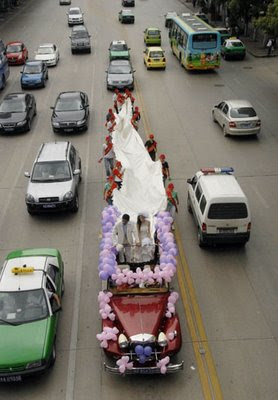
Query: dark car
(126, 17)
(17, 111)
(120, 75)
(80, 39)
(71, 112)
(128, 3)
(34, 74)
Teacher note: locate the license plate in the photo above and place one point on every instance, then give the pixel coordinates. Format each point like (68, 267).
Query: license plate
(49, 206)
(8, 129)
(68, 129)
(247, 125)
(145, 371)
(16, 378)
(226, 230)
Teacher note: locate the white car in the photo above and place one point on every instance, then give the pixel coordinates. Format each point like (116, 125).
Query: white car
(75, 16)
(236, 117)
(48, 53)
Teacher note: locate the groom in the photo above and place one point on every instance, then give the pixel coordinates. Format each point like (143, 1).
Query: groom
(125, 237)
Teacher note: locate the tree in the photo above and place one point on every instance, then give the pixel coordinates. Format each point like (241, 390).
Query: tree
(243, 9)
(269, 22)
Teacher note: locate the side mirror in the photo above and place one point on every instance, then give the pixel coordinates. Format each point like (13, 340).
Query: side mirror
(59, 308)
(27, 174)
(51, 108)
(21, 72)
(189, 180)
(76, 172)
(134, 70)
(106, 71)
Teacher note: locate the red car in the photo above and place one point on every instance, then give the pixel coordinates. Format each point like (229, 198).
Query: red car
(140, 334)
(17, 53)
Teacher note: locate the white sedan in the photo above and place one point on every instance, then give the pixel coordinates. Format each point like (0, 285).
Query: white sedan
(49, 53)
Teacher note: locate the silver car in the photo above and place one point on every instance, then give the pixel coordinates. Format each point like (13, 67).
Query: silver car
(75, 16)
(54, 179)
(236, 117)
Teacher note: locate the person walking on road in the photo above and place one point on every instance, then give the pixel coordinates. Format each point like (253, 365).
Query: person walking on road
(165, 168)
(108, 156)
(270, 47)
(108, 190)
(172, 200)
(118, 174)
(151, 146)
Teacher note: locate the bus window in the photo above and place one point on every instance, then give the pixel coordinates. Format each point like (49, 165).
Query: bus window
(204, 41)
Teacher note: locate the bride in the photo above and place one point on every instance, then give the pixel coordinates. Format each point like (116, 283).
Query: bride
(145, 252)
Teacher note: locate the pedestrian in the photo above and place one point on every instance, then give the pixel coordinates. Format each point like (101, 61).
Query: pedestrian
(136, 110)
(115, 96)
(120, 101)
(134, 120)
(109, 115)
(270, 47)
(108, 156)
(172, 201)
(118, 174)
(165, 168)
(108, 190)
(132, 99)
(125, 238)
(151, 146)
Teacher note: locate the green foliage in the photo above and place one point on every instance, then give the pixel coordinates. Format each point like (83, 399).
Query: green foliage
(269, 22)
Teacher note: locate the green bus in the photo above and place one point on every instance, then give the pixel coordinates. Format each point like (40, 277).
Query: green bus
(195, 43)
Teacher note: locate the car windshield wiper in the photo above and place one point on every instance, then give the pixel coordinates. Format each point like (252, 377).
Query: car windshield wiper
(9, 323)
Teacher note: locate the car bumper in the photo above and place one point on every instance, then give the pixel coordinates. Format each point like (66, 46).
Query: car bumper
(16, 376)
(226, 237)
(76, 22)
(32, 84)
(171, 368)
(13, 129)
(81, 49)
(69, 129)
(160, 64)
(16, 61)
(120, 86)
(50, 63)
(243, 131)
(50, 207)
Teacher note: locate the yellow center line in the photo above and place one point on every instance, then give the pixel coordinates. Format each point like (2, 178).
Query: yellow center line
(205, 363)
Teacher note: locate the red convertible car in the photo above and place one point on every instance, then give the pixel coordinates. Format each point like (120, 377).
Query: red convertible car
(17, 53)
(140, 335)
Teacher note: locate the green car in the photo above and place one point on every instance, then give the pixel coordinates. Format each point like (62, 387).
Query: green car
(233, 48)
(152, 36)
(118, 50)
(31, 286)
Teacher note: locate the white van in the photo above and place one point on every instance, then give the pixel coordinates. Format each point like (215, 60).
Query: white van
(219, 206)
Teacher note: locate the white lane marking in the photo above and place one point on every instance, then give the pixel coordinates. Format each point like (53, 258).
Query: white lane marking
(77, 293)
(261, 198)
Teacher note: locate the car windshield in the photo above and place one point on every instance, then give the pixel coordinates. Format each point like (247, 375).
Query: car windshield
(68, 104)
(156, 54)
(23, 306)
(243, 112)
(13, 105)
(119, 69)
(45, 50)
(79, 34)
(126, 12)
(32, 69)
(153, 33)
(54, 171)
(136, 289)
(118, 47)
(236, 44)
(204, 41)
(14, 48)
(74, 12)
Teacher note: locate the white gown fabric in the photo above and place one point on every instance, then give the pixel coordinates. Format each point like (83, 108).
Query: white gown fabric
(142, 189)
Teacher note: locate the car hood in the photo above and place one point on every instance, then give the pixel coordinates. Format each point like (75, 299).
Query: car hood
(22, 343)
(120, 77)
(44, 57)
(49, 189)
(63, 116)
(72, 16)
(13, 55)
(31, 77)
(6, 117)
(140, 313)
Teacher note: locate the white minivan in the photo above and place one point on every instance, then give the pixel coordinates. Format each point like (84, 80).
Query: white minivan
(219, 206)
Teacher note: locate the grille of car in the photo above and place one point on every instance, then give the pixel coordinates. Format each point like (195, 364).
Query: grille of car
(48, 199)
(10, 125)
(67, 124)
(13, 369)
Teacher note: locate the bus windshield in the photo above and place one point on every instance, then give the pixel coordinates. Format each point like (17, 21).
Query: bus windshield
(204, 41)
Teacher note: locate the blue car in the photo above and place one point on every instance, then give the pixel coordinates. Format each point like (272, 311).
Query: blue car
(34, 74)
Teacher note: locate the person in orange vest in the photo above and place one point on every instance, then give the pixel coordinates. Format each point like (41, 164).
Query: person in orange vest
(165, 168)
(172, 200)
(118, 174)
(132, 99)
(110, 121)
(108, 155)
(136, 111)
(151, 146)
(108, 190)
(134, 121)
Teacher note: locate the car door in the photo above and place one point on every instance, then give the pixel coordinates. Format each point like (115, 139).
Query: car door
(217, 111)
(86, 105)
(28, 107)
(225, 115)
(74, 163)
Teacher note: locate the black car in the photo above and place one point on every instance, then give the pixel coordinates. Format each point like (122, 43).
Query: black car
(120, 75)
(80, 39)
(17, 111)
(126, 17)
(128, 3)
(71, 112)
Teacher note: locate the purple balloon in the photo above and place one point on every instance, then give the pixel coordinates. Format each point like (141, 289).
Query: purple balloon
(139, 350)
(148, 351)
(103, 275)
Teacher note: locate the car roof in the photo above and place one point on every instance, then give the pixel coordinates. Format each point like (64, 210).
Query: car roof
(118, 42)
(155, 48)
(17, 95)
(120, 62)
(238, 103)
(53, 151)
(220, 185)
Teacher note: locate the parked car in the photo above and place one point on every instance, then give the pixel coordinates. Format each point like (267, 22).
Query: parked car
(34, 74)
(75, 16)
(48, 53)
(126, 17)
(31, 289)
(70, 112)
(16, 53)
(120, 75)
(80, 39)
(154, 57)
(152, 37)
(54, 179)
(118, 49)
(233, 48)
(169, 17)
(17, 111)
(236, 117)
(128, 3)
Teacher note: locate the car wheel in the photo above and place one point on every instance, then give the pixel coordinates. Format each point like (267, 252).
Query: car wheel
(53, 355)
(201, 242)
(189, 207)
(35, 111)
(28, 125)
(76, 204)
(225, 133)
(213, 117)
(3, 83)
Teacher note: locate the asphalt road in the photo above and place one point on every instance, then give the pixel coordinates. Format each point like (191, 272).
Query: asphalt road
(236, 288)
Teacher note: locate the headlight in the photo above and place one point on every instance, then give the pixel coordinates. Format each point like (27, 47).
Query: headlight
(21, 123)
(162, 339)
(56, 124)
(34, 364)
(29, 198)
(81, 122)
(68, 196)
(123, 341)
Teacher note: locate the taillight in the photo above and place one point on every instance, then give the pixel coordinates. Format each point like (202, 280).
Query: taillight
(249, 227)
(163, 59)
(258, 123)
(204, 227)
(232, 124)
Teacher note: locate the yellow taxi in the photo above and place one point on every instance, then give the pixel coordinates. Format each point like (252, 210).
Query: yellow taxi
(154, 57)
